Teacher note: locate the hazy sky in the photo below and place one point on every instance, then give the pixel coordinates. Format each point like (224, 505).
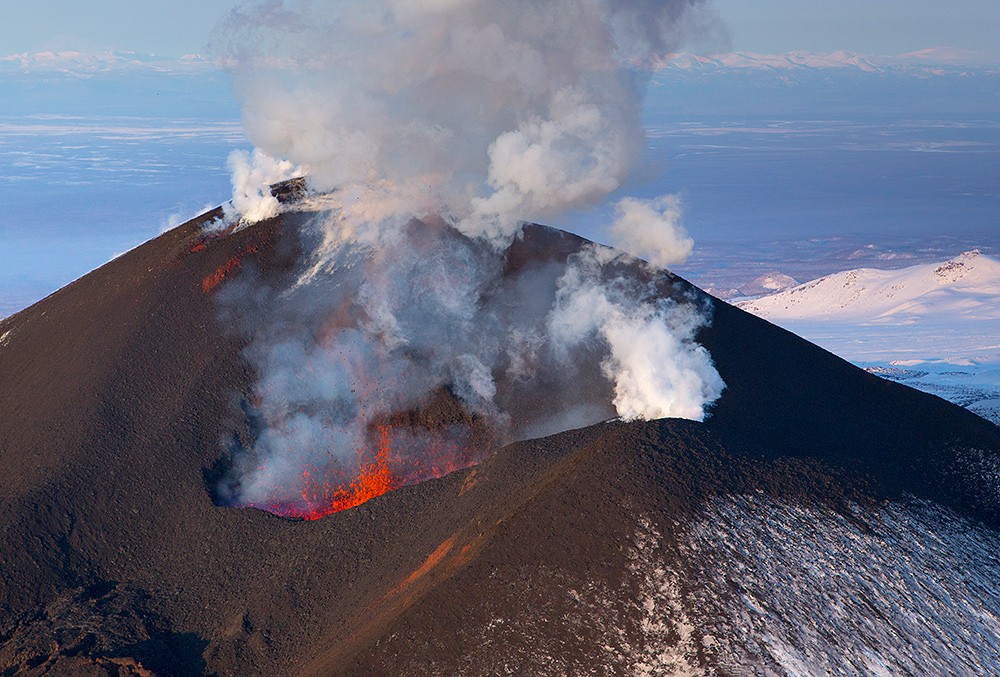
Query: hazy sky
(866, 26)
(171, 28)
(183, 26)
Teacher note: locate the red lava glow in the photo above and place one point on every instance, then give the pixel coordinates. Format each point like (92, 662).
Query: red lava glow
(384, 472)
(374, 479)
(201, 244)
(216, 278)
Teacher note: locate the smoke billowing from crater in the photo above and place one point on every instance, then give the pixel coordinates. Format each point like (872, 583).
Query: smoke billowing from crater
(417, 333)
(489, 113)
(421, 349)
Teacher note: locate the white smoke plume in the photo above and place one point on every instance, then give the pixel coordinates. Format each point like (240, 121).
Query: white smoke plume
(252, 175)
(485, 112)
(651, 229)
(430, 131)
(657, 368)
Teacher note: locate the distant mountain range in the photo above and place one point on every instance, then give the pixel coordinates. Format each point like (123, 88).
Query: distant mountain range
(933, 61)
(964, 288)
(72, 62)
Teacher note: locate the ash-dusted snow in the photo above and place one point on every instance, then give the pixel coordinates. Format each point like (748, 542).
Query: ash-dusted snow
(781, 588)
(753, 584)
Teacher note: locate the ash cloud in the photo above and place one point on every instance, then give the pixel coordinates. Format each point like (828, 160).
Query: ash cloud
(430, 132)
(487, 113)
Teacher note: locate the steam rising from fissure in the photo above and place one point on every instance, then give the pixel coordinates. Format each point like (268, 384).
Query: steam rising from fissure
(422, 329)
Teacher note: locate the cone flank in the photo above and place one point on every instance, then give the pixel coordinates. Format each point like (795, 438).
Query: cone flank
(145, 373)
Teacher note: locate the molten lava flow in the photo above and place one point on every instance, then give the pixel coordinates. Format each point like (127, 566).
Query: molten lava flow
(213, 280)
(387, 470)
(324, 498)
(373, 480)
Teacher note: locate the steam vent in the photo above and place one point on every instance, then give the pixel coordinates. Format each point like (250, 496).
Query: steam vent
(244, 451)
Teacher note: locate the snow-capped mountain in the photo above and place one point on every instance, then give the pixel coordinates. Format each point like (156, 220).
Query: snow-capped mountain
(769, 283)
(935, 60)
(754, 61)
(964, 288)
(83, 63)
(935, 327)
(937, 56)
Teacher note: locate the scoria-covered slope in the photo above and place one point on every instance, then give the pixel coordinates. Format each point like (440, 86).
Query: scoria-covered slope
(820, 517)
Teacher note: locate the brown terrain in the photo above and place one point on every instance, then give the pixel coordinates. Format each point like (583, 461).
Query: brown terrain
(116, 391)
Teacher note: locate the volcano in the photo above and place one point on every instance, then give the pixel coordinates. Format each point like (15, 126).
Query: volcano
(820, 518)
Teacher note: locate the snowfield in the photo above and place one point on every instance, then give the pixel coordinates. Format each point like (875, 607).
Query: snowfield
(935, 327)
(966, 288)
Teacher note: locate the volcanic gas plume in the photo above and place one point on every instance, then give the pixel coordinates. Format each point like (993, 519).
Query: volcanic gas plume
(409, 342)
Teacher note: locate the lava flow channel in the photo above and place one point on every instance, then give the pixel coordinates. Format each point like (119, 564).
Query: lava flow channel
(214, 279)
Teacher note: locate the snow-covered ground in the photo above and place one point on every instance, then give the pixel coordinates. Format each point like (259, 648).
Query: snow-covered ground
(935, 327)
(785, 588)
(964, 288)
(975, 386)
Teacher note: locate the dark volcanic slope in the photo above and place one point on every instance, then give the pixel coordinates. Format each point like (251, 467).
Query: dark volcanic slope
(117, 390)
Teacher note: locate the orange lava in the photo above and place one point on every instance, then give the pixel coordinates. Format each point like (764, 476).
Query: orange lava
(216, 278)
(387, 470)
(374, 479)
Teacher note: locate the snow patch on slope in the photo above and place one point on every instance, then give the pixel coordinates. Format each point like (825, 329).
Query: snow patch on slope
(781, 588)
(669, 645)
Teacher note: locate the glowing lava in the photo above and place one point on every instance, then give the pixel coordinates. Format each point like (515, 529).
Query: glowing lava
(216, 278)
(374, 479)
(387, 470)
